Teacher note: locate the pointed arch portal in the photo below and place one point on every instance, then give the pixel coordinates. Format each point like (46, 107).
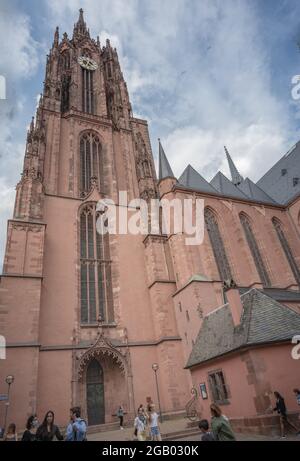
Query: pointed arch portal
(95, 393)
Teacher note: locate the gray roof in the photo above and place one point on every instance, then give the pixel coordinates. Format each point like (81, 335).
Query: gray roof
(255, 192)
(278, 182)
(279, 294)
(263, 320)
(235, 175)
(192, 179)
(226, 187)
(165, 170)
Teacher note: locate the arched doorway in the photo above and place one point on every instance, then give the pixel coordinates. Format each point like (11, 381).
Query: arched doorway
(95, 393)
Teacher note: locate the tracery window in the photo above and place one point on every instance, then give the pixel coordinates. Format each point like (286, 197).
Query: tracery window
(256, 254)
(287, 249)
(90, 161)
(95, 269)
(65, 60)
(87, 91)
(217, 245)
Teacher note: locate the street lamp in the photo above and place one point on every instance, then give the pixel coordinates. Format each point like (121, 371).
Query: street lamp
(155, 367)
(9, 380)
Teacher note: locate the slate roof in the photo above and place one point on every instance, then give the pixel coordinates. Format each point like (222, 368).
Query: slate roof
(226, 187)
(165, 170)
(253, 191)
(278, 294)
(278, 182)
(263, 320)
(193, 180)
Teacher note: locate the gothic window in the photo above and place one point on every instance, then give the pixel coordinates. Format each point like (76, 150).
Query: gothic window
(217, 245)
(218, 387)
(87, 91)
(90, 161)
(95, 270)
(108, 66)
(259, 263)
(146, 169)
(65, 93)
(287, 249)
(65, 60)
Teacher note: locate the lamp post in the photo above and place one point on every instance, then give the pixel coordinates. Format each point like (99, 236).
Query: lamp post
(9, 380)
(155, 367)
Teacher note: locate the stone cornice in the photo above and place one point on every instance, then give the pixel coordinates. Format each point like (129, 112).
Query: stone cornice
(64, 347)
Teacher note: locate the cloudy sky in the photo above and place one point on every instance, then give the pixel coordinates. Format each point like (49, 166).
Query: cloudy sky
(204, 73)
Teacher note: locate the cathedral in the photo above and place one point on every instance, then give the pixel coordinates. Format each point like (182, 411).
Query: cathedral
(92, 320)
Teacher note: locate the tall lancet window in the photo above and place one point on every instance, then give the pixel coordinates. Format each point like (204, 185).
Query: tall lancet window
(259, 263)
(95, 269)
(287, 249)
(90, 161)
(87, 91)
(217, 244)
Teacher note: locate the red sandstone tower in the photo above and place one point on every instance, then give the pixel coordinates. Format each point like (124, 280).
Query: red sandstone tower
(85, 317)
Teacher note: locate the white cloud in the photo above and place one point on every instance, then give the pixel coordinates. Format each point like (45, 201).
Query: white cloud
(19, 61)
(19, 51)
(204, 149)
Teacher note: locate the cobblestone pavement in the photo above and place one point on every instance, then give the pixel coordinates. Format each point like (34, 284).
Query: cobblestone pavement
(248, 438)
(173, 429)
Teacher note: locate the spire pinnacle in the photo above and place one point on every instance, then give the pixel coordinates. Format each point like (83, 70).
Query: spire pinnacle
(236, 178)
(31, 129)
(164, 166)
(80, 26)
(56, 37)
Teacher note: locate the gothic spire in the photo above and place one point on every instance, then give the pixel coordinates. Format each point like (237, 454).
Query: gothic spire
(164, 166)
(236, 178)
(80, 26)
(56, 37)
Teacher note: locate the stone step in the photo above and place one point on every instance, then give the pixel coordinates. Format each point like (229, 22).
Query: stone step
(181, 434)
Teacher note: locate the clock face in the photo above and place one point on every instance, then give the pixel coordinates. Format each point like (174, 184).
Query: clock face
(87, 63)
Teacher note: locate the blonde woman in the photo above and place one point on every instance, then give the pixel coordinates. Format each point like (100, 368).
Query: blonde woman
(140, 425)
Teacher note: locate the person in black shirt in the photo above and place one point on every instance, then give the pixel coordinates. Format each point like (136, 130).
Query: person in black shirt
(281, 410)
(207, 436)
(48, 430)
(31, 428)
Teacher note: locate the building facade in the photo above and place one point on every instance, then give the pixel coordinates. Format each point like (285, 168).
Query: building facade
(86, 316)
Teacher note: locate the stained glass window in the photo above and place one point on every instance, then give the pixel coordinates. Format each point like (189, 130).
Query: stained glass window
(95, 270)
(90, 161)
(255, 251)
(287, 249)
(217, 244)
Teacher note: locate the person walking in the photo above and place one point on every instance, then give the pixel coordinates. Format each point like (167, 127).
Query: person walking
(281, 410)
(48, 431)
(120, 415)
(153, 422)
(29, 434)
(220, 425)
(77, 428)
(207, 435)
(11, 435)
(297, 395)
(140, 425)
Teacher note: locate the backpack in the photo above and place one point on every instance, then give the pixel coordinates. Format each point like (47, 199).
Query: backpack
(84, 437)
